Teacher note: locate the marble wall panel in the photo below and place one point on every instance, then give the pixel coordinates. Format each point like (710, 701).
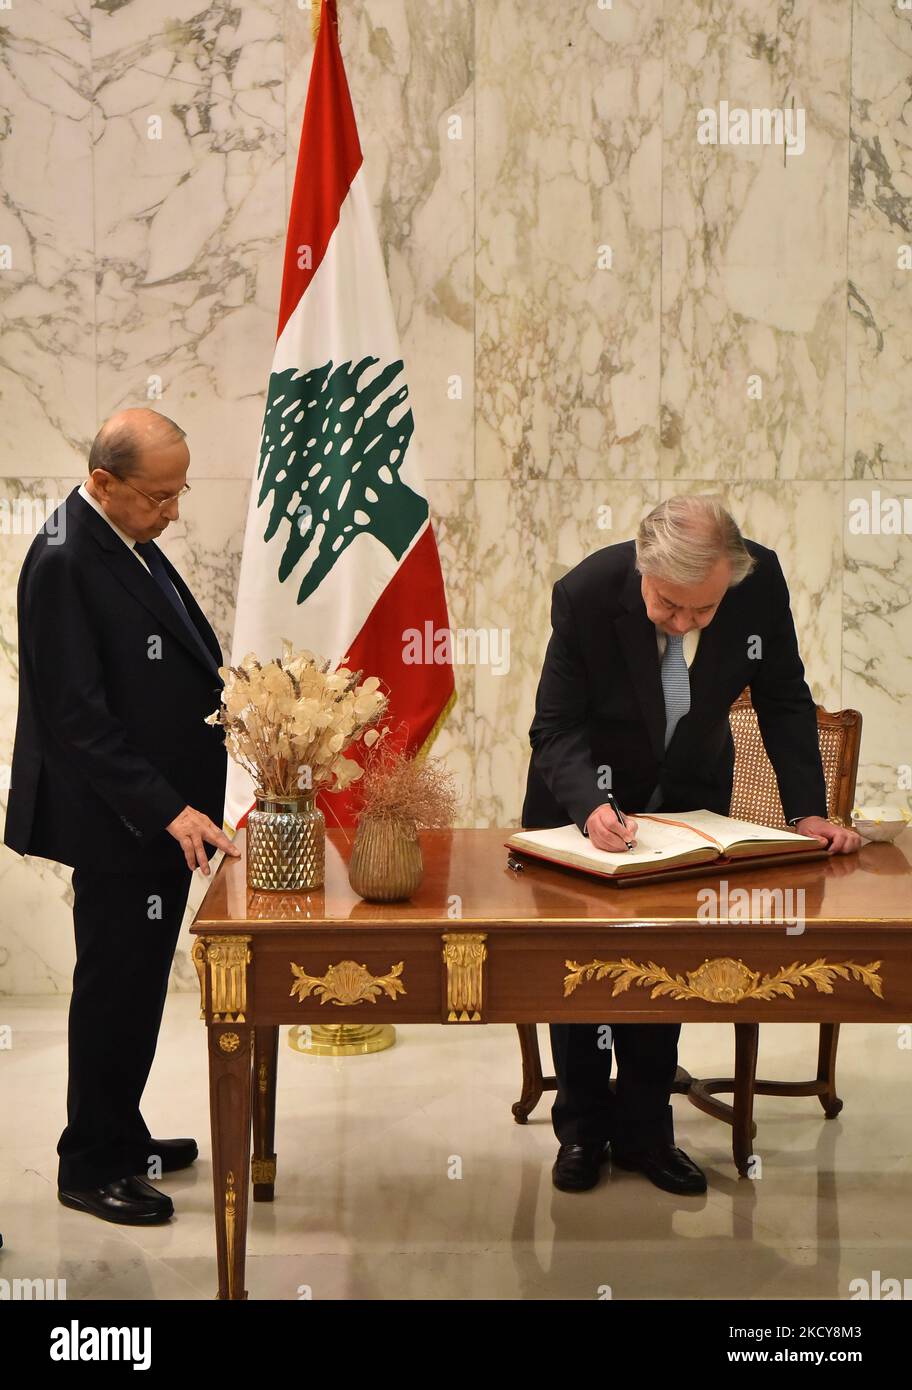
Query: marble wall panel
(754, 244)
(47, 346)
(189, 149)
(879, 344)
(877, 642)
(568, 175)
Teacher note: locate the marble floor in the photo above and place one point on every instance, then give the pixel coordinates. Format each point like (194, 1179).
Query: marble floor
(366, 1207)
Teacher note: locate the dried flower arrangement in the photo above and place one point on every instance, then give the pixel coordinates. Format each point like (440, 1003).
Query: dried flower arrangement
(407, 788)
(294, 718)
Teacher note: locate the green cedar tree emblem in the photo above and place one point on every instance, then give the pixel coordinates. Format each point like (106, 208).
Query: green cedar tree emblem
(330, 461)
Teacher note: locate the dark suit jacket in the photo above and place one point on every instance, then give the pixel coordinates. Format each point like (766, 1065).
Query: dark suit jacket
(110, 742)
(600, 703)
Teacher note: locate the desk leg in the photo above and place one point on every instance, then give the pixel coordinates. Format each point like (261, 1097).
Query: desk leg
(747, 1038)
(826, 1069)
(229, 1108)
(265, 1066)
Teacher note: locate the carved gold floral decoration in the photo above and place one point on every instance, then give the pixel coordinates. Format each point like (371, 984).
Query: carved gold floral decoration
(347, 983)
(723, 980)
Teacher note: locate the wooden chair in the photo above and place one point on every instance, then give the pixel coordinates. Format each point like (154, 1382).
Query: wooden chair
(755, 797)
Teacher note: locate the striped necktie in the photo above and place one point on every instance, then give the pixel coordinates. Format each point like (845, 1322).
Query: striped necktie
(676, 689)
(675, 683)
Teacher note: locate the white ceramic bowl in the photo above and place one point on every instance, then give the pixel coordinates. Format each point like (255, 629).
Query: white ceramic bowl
(880, 822)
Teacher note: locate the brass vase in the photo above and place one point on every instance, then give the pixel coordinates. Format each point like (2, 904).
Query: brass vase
(386, 863)
(286, 844)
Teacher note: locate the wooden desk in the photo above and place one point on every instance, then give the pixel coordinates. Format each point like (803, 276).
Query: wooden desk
(480, 943)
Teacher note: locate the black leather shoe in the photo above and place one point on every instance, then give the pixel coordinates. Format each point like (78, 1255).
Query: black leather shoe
(576, 1167)
(173, 1154)
(666, 1166)
(128, 1201)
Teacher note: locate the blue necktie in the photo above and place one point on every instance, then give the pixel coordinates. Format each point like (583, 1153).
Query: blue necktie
(152, 556)
(675, 684)
(676, 689)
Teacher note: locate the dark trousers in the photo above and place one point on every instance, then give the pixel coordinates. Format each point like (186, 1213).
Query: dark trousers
(127, 927)
(637, 1114)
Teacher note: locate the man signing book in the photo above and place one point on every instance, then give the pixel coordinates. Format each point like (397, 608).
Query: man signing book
(652, 642)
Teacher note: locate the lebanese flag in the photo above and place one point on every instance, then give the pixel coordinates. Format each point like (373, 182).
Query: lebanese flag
(339, 553)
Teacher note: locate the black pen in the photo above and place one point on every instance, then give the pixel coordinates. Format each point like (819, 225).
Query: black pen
(620, 815)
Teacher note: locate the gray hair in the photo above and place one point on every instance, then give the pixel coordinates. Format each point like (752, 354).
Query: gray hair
(117, 447)
(682, 539)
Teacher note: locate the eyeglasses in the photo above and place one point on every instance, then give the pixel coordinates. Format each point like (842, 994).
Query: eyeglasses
(161, 505)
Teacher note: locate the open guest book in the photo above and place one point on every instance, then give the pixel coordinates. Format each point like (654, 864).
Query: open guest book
(670, 846)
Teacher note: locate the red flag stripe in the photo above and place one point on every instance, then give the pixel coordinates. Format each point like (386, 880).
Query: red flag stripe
(415, 595)
(329, 157)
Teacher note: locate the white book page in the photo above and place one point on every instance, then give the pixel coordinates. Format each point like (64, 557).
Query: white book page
(655, 843)
(729, 831)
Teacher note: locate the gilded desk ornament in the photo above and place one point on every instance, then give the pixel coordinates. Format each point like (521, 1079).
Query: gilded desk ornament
(230, 1223)
(464, 954)
(229, 1042)
(347, 983)
(723, 980)
(262, 1170)
(198, 956)
(228, 958)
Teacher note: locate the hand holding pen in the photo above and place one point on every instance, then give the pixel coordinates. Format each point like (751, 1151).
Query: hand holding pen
(610, 829)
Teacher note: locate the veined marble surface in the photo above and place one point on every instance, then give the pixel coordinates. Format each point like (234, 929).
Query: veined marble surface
(879, 345)
(753, 246)
(584, 293)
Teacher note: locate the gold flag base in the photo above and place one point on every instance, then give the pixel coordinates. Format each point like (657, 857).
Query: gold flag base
(341, 1039)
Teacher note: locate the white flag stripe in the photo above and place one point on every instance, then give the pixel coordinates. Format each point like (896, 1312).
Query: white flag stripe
(346, 312)
(334, 613)
(344, 315)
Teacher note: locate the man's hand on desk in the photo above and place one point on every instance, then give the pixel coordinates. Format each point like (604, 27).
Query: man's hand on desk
(606, 832)
(190, 829)
(837, 838)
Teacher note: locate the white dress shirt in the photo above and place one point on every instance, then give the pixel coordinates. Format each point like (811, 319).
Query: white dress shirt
(128, 541)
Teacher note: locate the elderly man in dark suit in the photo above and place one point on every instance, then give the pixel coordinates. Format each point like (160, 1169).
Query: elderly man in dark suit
(651, 643)
(116, 774)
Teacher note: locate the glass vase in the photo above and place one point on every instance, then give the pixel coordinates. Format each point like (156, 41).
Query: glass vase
(286, 844)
